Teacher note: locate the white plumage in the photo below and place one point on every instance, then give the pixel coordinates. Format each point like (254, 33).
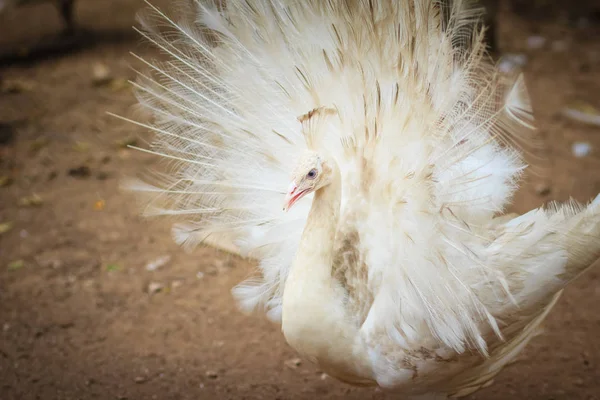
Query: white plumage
(397, 267)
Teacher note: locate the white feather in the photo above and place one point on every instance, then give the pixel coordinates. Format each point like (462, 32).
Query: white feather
(445, 161)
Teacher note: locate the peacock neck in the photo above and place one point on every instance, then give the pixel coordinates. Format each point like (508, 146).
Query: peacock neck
(314, 317)
(312, 306)
(315, 251)
(314, 257)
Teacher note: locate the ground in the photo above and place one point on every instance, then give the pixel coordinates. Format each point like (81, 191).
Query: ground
(80, 313)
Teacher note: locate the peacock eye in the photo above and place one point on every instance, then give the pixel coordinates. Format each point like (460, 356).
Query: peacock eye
(312, 174)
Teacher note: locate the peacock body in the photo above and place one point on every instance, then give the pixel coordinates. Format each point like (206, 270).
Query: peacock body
(396, 145)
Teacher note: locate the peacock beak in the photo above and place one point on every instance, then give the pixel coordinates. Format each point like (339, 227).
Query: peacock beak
(292, 196)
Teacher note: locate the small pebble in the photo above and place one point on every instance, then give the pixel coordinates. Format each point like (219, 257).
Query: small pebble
(101, 176)
(223, 265)
(585, 355)
(140, 379)
(510, 62)
(155, 287)
(55, 264)
(584, 68)
(7, 134)
(177, 283)
(582, 23)
(100, 74)
(293, 363)
(212, 374)
(581, 149)
(536, 42)
(542, 189)
(82, 171)
(200, 275)
(559, 46)
(158, 263)
(124, 154)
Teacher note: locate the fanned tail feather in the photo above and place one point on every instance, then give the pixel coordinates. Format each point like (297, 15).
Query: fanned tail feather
(424, 130)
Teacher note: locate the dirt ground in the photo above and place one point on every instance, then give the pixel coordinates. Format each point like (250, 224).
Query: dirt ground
(78, 317)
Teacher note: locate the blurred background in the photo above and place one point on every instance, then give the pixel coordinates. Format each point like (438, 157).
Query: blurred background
(98, 303)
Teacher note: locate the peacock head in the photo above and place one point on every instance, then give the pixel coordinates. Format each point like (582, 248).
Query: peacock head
(312, 172)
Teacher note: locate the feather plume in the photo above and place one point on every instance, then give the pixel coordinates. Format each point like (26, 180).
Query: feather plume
(428, 135)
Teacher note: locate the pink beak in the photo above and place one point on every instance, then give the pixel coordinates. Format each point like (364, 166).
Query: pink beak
(292, 196)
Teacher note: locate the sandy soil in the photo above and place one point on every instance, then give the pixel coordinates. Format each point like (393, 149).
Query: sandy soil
(77, 318)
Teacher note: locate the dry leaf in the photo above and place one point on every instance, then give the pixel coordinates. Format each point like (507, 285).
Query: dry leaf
(81, 147)
(16, 86)
(5, 181)
(16, 264)
(31, 201)
(5, 227)
(583, 112)
(124, 143)
(99, 205)
(116, 85)
(584, 107)
(38, 144)
(113, 267)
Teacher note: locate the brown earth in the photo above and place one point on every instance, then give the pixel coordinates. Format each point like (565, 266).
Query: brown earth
(77, 319)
